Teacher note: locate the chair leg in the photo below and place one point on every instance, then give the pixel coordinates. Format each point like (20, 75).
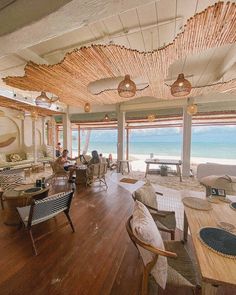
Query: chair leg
(32, 241)
(70, 221)
(145, 282)
(2, 204)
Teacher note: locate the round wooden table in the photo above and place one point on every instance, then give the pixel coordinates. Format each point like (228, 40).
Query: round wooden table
(81, 175)
(17, 198)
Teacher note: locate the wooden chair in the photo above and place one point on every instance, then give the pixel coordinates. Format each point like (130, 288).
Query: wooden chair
(165, 220)
(181, 270)
(58, 171)
(97, 172)
(45, 209)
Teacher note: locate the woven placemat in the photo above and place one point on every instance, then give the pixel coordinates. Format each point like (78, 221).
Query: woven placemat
(219, 241)
(129, 180)
(233, 205)
(197, 203)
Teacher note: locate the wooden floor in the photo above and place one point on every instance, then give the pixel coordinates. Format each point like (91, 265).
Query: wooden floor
(97, 259)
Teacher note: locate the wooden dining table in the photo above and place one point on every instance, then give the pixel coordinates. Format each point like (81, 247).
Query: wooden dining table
(17, 198)
(215, 269)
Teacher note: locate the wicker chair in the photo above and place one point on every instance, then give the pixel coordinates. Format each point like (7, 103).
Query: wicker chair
(44, 209)
(165, 220)
(59, 172)
(97, 172)
(181, 270)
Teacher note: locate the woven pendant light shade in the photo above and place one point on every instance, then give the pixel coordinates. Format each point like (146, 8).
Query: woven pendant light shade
(127, 87)
(181, 86)
(87, 107)
(42, 100)
(106, 118)
(192, 109)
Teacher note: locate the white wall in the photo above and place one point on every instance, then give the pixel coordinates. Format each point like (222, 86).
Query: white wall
(10, 126)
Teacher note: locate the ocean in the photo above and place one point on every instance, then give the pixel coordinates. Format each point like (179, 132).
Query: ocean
(207, 142)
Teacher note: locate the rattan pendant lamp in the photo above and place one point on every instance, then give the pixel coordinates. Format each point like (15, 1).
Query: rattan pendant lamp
(127, 87)
(181, 87)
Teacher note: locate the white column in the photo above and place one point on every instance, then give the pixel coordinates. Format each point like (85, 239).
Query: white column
(22, 133)
(186, 148)
(53, 136)
(66, 131)
(34, 144)
(121, 135)
(43, 131)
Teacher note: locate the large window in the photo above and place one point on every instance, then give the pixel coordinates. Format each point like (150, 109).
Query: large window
(104, 141)
(214, 142)
(159, 141)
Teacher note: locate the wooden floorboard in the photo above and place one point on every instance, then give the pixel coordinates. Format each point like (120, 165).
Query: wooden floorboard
(98, 259)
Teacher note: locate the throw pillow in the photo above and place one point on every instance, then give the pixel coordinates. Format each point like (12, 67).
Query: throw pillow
(147, 195)
(15, 157)
(145, 229)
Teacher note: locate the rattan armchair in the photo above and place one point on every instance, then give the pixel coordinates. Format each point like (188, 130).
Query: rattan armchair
(59, 172)
(165, 220)
(97, 172)
(181, 270)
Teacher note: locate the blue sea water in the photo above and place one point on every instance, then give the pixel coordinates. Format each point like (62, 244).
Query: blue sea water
(207, 142)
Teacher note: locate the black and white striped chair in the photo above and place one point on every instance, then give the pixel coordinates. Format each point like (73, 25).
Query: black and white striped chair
(45, 209)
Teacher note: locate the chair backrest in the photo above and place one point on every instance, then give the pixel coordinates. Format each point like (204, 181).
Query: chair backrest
(56, 168)
(98, 170)
(47, 208)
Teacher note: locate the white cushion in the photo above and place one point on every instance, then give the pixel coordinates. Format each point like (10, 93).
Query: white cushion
(145, 229)
(147, 195)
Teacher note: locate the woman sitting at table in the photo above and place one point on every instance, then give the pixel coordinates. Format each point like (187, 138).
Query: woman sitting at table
(95, 158)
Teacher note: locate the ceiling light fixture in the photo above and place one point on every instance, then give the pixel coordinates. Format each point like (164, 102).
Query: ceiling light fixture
(43, 101)
(106, 118)
(87, 107)
(181, 86)
(192, 109)
(151, 117)
(127, 87)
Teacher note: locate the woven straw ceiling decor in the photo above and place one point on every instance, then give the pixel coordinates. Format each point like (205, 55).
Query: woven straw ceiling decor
(69, 79)
(25, 107)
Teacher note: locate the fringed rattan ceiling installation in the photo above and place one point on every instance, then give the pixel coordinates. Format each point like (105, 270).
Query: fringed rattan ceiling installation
(69, 79)
(25, 107)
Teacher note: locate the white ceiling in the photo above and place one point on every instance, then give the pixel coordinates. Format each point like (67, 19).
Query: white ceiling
(143, 25)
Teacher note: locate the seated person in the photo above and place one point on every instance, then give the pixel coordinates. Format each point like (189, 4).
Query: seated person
(64, 161)
(58, 150)
(95, 158)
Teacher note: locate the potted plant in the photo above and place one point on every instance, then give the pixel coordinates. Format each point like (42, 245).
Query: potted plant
(164, 170)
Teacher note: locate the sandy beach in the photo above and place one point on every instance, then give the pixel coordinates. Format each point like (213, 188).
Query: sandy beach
(138, 161)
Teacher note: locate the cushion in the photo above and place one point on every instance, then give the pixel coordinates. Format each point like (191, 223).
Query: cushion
(15, 158)
(147, 195)
(145, 229)
(29, 156)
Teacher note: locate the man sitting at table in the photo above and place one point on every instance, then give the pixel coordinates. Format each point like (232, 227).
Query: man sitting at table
(64, 162)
